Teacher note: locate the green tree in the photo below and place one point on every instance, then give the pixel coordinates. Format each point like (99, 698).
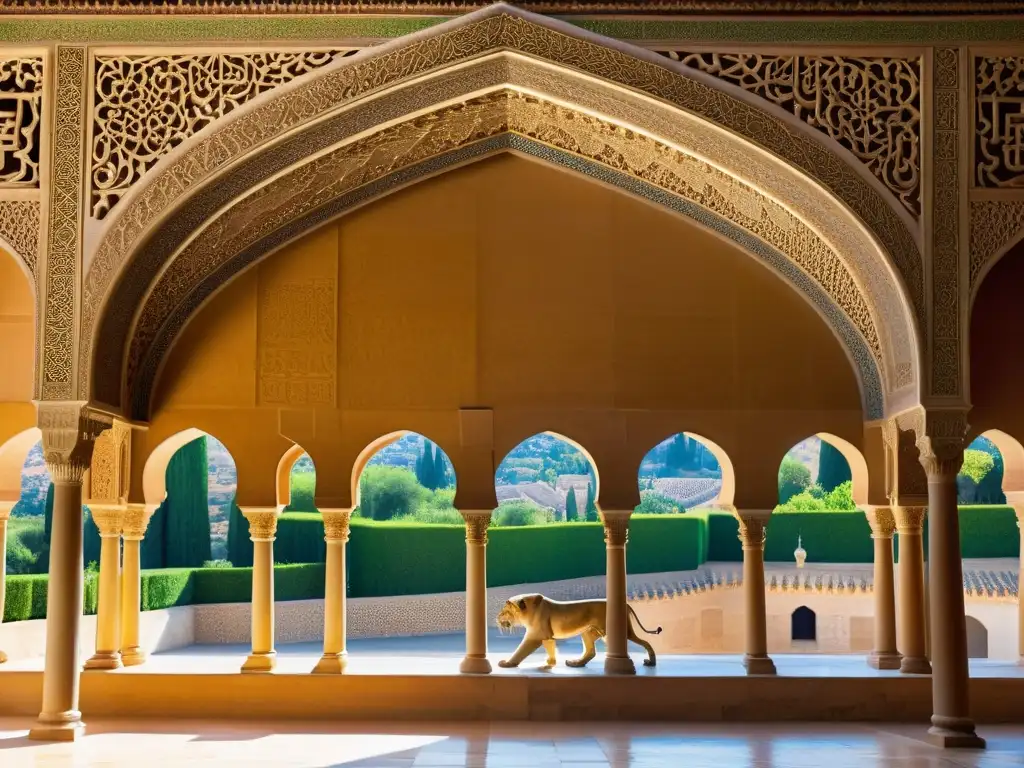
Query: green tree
(186, 508)
(426, 472)
(239, 543)
(833, 469)
(653, 503)
(440, 478)
(516, 513)
(388, 492)
(42, 564)
(977, 466)
(572, 512)
(794, 477)
(990, 489)
(592, 515)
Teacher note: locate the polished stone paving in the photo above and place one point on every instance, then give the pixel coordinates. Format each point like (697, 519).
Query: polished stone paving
(162, 744)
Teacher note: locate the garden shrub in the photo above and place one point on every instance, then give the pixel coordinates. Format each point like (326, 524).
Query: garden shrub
(989, 531)
(828, 537)
(26, 596)
(520, 513)
(166, 587)
(398, 558)
(300, 538)
(660, 543)
(723, 538)
(544, 553)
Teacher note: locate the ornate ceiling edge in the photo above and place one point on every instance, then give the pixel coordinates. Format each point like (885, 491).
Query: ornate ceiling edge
(335, 28)
(996, 226)
(865, 366)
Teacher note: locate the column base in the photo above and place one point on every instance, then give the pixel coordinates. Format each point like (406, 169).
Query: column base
(67, 726)
(619, 665)
(475, 665)
(878, 660)
(104, 660)
(133, 657)
(759, 665)
(954, 733)
(911, 665)
(260, 662)
(331, 664)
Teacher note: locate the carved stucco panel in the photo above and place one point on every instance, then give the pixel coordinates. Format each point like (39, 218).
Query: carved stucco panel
(996, 226)
(317, 183)
(338, 85)
(19, 228)
(21, 106)
(999, 121)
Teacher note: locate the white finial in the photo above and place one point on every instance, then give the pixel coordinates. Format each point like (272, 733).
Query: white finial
(800, 554)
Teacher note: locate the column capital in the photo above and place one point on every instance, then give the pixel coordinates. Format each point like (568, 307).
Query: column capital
(262, 522)
(477, 523)
(616, 526)
(336, 524)
(136, 521)
(882, 522)
(941, 439)
(109, 519)
(69, 430)
(910, 519)
(753, 527)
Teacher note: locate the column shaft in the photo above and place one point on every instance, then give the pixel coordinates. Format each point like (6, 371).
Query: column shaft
(108, 611)
(136, 520)
(60, 719)
(335, 657)
(909, 522)
(884, 654)
(616, 536)
(475, 661)
(5, 513)
(262, 531)
(952, 725)
(753, 529)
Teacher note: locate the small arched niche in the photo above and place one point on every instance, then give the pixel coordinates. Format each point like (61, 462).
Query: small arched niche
(804, 625)
(546, 478)
(405, 476)
(977, 639)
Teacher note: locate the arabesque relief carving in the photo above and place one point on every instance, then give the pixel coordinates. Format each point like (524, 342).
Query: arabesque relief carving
(21, 100)
(145, 106)
(871, 106)
(996, 225)
(19, 228)
(999, 121)
(339, 86)
(313, 185)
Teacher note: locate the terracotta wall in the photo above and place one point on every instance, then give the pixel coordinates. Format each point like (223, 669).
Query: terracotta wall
(556, 302)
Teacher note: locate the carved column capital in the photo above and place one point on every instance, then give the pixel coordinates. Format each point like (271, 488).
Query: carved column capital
(753, 528)
(109, 519)
(882, 522)
(616, 527)
(941, 439)
(477, 523)
(262, 522)
(136, 521)
(336, 524)
(69, 432)
(910, 520)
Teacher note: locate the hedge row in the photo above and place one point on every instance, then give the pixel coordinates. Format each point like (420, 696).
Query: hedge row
(26, 596)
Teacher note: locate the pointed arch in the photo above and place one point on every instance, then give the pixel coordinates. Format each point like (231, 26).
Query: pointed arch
(13, 455)
(857, 463)
(376, 446)
(1012, 452)
(284, 474)
(494, 81)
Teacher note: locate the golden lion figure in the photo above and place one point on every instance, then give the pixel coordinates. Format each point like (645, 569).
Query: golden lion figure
(548, 620)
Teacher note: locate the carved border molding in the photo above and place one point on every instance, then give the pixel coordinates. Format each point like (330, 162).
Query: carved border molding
(338, 85)
(996, 226)
(64, 236)
(946, 197)
(19, 228)
(870, 105)
(357, 173)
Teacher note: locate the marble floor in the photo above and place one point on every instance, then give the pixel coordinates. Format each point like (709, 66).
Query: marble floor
(162, 744)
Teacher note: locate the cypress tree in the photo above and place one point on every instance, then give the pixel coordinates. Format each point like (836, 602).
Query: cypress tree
(592, 516)
(187, 521)
(43, 562)
(429, 472)
(90, 539)
(239, 544)
(572, 513)
(440, 470)
(833, 469)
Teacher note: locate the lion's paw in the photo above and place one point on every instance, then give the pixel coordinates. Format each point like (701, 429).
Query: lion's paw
(650, 663)
(575, 663)
(505, 663)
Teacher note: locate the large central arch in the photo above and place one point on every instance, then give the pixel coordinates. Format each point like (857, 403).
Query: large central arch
(498, 80)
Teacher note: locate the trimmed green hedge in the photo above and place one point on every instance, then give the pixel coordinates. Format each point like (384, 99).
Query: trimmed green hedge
(300, 538)
(26, 596)
(989, 531)
(828, 537)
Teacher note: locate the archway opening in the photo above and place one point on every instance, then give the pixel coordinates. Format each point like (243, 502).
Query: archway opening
(980, 480)
(405, 478)
(547, 478)
(28, 530)
(977, 639)
(680, 473)
(817, 475)
(803, 625)
(194, 479)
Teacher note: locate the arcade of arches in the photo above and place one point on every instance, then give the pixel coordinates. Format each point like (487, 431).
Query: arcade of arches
(521, 227)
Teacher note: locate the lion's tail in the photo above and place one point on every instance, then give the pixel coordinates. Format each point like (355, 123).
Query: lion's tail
(640, 624)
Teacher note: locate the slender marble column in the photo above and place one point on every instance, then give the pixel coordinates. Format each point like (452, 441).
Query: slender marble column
(60, 719)
(136, 520)
(616, 536)
(5, 513)
(952, 725)
(883, 526)
(336, 532)
(262, 532)
(909, 523)
(753, 529)
(109, 520)
(476, 661)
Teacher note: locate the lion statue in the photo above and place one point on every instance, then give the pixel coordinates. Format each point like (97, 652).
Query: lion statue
(547, 620)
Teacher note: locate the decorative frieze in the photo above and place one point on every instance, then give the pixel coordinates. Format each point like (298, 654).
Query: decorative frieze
(145, 106)
(999, 121)
(21, 100)
(870, 105)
